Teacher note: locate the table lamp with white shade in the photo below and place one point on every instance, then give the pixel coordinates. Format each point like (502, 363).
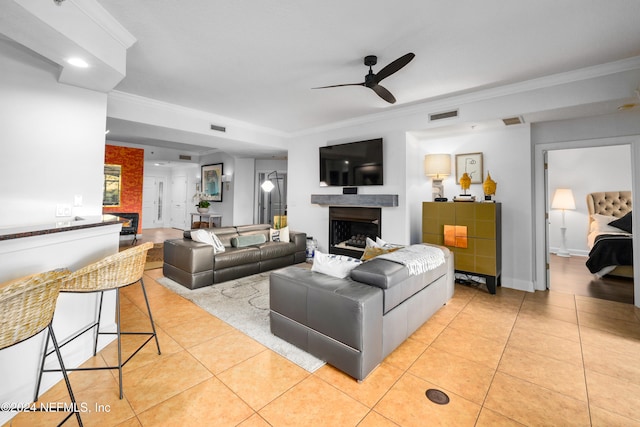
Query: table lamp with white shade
(437, 166)
(563, 199)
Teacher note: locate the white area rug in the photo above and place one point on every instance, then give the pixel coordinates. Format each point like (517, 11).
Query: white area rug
(244, 304)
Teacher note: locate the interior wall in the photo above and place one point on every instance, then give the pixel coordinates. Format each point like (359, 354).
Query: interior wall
(131, 161)
(506, 155)
(304, 180)
(226, 206)
(52, 141)
(583, 170)
(243, 186)
(605, 131)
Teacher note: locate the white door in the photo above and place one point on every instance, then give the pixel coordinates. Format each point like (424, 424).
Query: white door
(179, 202)
(153, 197)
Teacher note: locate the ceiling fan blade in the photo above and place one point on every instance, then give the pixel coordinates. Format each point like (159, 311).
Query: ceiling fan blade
(394, 66)
(346, 84)
(384, 93)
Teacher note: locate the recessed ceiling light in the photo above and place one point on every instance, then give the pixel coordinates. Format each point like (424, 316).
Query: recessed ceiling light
(78, 62)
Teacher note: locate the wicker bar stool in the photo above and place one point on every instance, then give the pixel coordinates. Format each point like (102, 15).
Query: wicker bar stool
(111, 273)
(26, 309)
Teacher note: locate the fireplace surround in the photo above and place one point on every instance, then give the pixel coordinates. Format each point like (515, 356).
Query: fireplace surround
(350, 226)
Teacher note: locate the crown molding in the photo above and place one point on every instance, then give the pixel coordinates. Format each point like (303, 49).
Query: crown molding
(94, 11)
(455, 101)
(415, 108)
(228, 122)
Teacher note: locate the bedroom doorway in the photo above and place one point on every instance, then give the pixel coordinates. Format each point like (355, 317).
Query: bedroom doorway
(573, 168)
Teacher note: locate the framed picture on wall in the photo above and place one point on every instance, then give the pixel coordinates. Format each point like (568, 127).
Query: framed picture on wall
(211, 182)
(471, 163)
(112, 185)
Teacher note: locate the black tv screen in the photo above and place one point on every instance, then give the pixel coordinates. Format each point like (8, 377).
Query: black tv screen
(352, 164)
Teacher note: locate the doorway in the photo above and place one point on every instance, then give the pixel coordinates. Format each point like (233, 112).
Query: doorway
(542, 201)
(179, 202)
(153, 202)
(577, 172)
(274, 202)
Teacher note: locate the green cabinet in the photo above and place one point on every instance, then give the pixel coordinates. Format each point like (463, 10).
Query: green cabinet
(472, 231)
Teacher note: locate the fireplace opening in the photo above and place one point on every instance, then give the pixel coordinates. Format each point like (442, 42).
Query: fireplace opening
(349, 228)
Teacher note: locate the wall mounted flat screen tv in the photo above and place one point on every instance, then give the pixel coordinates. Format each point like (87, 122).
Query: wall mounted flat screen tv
(352, 164)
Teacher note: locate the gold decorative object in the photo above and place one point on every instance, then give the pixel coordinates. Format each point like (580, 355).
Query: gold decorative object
(465, 182)
(489, 186)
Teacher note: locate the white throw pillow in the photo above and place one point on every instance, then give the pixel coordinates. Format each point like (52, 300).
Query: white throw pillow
(279, 235)
(600, 224)
(204, 236)
(334, 265)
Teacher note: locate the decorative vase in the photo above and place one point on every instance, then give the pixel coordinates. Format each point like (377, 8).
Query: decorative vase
(465, 182)
(203, 210)
(489, 187)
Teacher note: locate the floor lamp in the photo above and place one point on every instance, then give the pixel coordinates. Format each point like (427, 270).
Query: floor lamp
(268, 186)
(563, 199)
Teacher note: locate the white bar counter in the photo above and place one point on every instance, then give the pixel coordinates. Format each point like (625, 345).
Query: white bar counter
(37, 248)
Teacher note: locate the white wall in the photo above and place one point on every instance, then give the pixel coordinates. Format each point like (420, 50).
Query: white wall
(51, 149)
(243, 188)
(583, 170)
(52, 141)
(226, 207)
(304, 180)
(506, 154)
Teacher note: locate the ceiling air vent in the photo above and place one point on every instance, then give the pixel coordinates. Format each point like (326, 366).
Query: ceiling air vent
(509, 121)
(218, 128)
(184, 157)
(444, 115)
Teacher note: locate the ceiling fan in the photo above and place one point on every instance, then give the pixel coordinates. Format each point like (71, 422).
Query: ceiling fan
(372, 80)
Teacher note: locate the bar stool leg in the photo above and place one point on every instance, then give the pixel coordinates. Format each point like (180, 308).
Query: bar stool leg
(118, 333)
(153, 326)
(97, 330)
(44, 357)
(66, 378)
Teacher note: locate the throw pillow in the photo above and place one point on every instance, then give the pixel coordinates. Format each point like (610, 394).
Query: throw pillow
(204, 236)
(370, 253)
(279, 235)
(248, 240)
(623, 223)
(377, 247)
(334, 265)
(601, 224)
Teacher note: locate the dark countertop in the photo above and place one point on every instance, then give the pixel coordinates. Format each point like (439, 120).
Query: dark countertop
(58, 227)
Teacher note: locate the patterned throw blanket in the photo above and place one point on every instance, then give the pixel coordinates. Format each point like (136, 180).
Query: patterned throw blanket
(417, 258)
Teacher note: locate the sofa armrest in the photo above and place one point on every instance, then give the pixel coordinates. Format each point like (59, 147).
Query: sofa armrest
(188, 255)
(299, 239)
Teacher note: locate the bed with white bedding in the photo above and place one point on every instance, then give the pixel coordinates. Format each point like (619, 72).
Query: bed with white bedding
(610, 233)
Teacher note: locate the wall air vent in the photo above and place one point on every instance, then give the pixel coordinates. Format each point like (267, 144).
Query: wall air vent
(509, 121)
(184, 157)
(218, 128)
(444, 115)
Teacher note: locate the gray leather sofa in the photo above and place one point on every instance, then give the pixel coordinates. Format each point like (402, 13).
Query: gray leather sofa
(194, 264)
(354, 323)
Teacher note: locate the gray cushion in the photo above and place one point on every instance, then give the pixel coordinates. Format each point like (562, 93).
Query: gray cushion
(380, 272)
(247, 240)
(271, 250)
(236, 256)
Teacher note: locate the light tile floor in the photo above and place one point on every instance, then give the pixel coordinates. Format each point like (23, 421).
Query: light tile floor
(513, 359)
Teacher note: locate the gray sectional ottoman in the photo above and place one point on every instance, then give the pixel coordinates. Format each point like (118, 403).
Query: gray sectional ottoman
(355, 322)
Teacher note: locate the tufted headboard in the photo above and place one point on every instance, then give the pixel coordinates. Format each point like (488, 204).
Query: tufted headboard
(612, 203)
